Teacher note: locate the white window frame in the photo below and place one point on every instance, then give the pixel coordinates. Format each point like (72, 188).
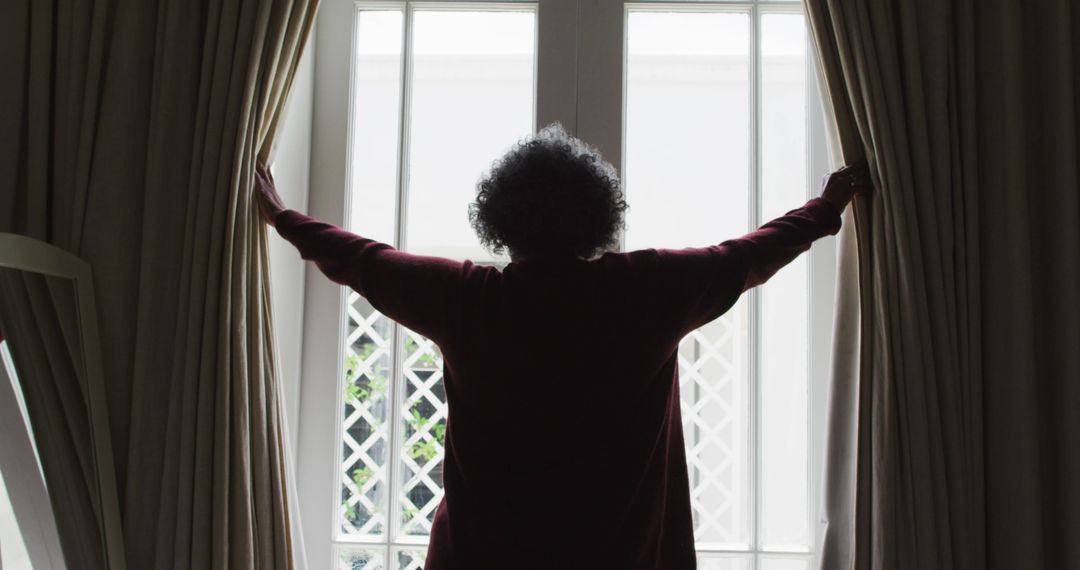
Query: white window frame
(580, 83)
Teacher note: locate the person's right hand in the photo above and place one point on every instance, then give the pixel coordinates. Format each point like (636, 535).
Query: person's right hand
(841, 186)
(270, 203)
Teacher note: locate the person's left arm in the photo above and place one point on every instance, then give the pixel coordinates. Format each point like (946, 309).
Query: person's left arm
(414, 290)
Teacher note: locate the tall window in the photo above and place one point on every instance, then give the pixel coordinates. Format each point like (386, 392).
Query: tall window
(437, 93)
(718, 134)
(716, 144)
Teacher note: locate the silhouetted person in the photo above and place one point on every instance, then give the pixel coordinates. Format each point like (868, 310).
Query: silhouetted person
(564, 444)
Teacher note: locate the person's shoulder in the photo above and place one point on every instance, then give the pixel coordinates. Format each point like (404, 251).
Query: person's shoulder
(473, 271)
(633, 257)
(628, 263)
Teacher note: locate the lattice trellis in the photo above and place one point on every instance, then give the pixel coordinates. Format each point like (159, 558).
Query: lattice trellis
(365, 434)
(712, 369)
(374, 559)
(368, 358)
(423, 415)
(361, 560)
(712, 380)
(410, 560)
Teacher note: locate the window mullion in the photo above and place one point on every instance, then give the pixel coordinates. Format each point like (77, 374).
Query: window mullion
(754, 300)
(396, 394)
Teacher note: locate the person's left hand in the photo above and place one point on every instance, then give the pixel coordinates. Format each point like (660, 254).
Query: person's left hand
(270, 203)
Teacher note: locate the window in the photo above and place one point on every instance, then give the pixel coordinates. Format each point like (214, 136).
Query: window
(709, 110)
(437, 93)
(715, 144)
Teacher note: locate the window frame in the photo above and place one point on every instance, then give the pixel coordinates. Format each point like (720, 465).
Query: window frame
(577, 77)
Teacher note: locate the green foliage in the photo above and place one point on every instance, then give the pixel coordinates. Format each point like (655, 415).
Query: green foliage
(363, 388)
(362, 475)
(425, 449)
(365, 385)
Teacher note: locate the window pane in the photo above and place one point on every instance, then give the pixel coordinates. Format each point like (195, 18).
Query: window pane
(723, 562)
(784, 299)
(687, 128)
(785, 563)
(471, 98)
(423, 414)
(687, 164)
(410, 559)
(368, 335)
(714, 387)
(357, 559)
(375, 116)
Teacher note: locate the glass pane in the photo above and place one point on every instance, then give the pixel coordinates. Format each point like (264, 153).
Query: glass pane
(411, 559)
(364, 433)
(368, 335)
(714, 386)
(357, 559)
(687, 128)
(375, 115)
(785, 520)
(472, 97)
(423, 415)
(723, 562)
(783, 563)
(687, 164)
(783, 113)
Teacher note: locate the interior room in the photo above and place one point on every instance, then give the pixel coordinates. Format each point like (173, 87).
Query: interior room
(540, 284)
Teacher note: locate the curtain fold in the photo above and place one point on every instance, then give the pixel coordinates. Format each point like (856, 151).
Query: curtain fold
(962, 432)
(136, 129)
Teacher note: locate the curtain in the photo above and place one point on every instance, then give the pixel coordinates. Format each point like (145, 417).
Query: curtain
(134, 131)
(953, 439)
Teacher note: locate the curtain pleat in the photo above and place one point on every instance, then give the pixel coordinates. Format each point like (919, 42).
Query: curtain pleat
(955, 453)
(1030, 203)
(138, 127)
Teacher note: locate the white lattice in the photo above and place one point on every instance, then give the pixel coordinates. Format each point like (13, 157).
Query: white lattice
(424, 423)
(711, 376)
(361, 560)
(364, 430)
(410, 560)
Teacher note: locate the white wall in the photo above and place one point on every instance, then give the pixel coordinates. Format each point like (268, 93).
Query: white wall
(291, 169)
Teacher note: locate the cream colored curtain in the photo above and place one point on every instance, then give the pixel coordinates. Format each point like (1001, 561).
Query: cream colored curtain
(130, 133)
(954, 441)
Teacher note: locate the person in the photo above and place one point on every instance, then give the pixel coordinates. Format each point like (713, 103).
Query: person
(564, 444)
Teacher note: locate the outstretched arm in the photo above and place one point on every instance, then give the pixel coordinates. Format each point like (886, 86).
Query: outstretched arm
(700, 284)
(414, 290)
(780, 241)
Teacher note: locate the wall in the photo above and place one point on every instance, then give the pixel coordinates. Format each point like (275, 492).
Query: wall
(291, 169)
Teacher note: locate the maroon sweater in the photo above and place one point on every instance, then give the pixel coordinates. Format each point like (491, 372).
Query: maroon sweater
(564, 444)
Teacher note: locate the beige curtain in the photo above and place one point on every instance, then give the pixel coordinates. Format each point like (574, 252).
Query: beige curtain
(130, 133)
(954, 440)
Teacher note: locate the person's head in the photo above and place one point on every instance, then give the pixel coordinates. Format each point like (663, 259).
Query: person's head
(550, 196)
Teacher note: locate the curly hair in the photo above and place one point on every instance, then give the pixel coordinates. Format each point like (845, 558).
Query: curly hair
(551, 195)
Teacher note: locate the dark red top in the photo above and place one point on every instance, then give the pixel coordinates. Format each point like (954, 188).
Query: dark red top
(564, 444)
